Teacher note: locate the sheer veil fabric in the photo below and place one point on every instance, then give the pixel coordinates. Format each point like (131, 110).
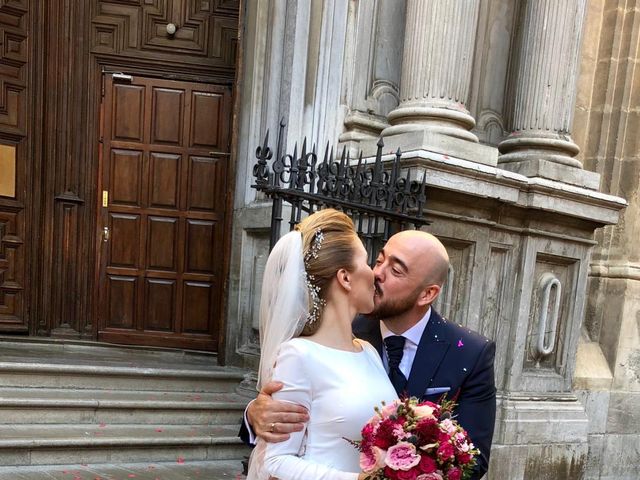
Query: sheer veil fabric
(283, 311)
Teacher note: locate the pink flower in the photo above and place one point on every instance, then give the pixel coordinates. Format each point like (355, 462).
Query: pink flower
(448, 426)
(372, 460)
(454, 474)
(445, 452)
(429, 476)
(367, 462)
(389, 410)
(402, 456)
(423, 411)
(400, 434)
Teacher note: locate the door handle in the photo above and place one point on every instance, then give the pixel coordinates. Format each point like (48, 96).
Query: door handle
(105, 234)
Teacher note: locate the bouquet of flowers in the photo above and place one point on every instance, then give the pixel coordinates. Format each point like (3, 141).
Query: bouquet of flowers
(408, 440)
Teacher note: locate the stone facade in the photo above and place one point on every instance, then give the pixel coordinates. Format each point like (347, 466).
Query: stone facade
(524, 116)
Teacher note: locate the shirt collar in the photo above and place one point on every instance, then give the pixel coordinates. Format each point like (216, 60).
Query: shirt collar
(414, 334)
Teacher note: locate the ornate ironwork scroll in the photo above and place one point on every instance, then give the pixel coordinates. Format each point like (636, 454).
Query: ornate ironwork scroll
(379, 197)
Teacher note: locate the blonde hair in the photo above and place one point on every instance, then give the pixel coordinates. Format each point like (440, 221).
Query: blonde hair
(336, 251)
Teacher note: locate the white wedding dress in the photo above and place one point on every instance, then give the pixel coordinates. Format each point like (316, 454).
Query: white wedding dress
(340, 389)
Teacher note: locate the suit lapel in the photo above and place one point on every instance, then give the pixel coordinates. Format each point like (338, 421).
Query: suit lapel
(429, 355)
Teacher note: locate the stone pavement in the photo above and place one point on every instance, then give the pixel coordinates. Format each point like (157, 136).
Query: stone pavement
(230, 470)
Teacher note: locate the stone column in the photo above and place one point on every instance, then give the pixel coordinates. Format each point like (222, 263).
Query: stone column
(436, 69)
(543, 94)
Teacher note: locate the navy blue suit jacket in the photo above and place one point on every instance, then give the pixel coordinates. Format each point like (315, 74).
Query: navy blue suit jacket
(451, 356)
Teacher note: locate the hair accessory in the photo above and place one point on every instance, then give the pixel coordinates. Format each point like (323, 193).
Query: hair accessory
(314, 249)
(317, 303)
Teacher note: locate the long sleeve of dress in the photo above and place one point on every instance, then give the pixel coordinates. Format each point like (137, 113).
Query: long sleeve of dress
(282, 460)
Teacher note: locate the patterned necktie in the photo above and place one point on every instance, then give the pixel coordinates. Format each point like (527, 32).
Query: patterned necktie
(395, 349)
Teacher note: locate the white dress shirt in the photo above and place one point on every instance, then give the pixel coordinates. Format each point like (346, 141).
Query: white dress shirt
(412, 336)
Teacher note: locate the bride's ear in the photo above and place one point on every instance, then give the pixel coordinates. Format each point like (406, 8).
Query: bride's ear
(344, 279)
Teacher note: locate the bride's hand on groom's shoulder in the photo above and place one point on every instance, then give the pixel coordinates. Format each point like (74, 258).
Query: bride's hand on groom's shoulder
(273, 420)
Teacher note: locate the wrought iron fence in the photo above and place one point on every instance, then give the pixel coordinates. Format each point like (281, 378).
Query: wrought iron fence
(380, 197)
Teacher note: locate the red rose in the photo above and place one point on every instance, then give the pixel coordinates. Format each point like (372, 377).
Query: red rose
(443, 437)
(385, 437)
(445, 451)
(454, 474)
(428, 464)
(408, 474)
(464, 458)
(390, 473)
(427, 431)
(367, 430)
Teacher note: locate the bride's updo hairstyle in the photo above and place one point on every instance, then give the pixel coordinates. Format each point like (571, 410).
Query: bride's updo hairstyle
(335, 251)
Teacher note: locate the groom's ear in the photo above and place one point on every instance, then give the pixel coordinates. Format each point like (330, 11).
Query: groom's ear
(428, 295)
(344, 278)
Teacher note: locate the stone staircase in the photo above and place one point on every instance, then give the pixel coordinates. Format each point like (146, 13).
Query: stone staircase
(74, 403)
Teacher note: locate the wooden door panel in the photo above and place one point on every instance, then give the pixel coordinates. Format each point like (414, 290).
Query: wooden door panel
(206, 112)
(122, 292)
(162, 243)
(165, 168)
(128, 112)
(124, 252)
(197, 306)
(168, 115)
(200, 244)
(126, 176)
(160, 310)
(165, 180)
(203, 172)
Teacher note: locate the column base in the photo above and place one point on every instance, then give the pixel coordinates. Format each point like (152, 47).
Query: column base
(431, 141)
(445, 121)
(535, 166)
(361, 127)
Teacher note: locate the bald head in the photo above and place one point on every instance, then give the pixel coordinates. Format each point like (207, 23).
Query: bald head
(424, 252)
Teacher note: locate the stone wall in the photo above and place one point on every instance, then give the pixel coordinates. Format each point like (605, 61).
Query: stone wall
(607, 122)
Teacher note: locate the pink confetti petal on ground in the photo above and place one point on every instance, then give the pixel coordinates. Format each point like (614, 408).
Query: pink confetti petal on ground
(132, 475)
(460, 344)
(159, 430)
(102, 425)
(180, 460)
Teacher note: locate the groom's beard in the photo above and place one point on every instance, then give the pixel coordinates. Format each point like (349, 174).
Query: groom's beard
(389, 308)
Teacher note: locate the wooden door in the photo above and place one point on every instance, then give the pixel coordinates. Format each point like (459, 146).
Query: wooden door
(164, 170)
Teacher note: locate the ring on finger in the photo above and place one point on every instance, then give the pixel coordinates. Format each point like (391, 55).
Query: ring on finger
(272, 427)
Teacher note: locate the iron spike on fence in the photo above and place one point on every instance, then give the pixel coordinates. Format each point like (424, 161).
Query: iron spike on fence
(371, 192)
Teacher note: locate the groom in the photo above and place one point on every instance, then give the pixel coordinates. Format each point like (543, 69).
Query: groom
(426, 355)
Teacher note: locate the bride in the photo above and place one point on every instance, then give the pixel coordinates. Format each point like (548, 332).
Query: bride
(316, 280)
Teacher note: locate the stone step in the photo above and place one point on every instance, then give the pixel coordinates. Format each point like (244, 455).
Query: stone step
(64, 406)
(187, 470)
(28, 445)
(88, 376)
